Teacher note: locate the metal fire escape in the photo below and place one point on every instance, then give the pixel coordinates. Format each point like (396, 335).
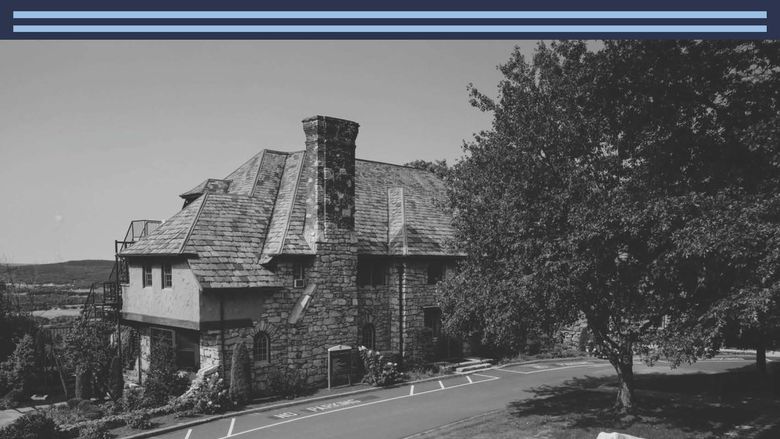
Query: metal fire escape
(105, 298)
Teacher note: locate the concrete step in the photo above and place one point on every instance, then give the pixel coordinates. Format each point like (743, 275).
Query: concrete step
(473, 367)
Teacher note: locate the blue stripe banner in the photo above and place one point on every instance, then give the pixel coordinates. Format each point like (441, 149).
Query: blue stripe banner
(389, 29)
(402, 19)
(351, 15)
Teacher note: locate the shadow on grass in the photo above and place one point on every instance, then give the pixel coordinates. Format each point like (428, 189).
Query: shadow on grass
(697, 403)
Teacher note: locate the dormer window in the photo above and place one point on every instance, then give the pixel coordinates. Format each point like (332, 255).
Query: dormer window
(147, 276)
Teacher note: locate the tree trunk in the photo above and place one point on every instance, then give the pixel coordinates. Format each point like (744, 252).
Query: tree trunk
(761, 354)
(625, 396)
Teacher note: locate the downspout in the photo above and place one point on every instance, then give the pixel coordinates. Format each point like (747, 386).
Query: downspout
(400, 314)
(222, 333)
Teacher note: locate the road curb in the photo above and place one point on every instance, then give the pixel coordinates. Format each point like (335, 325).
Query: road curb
(282, 405)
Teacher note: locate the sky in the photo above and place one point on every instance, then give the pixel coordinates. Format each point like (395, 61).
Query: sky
(94, 134)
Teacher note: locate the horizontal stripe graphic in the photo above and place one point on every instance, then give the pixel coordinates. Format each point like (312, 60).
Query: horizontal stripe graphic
(389, 14)
(390, 29)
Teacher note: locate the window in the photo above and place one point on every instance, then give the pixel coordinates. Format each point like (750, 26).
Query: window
(167, 276)
(299, 275)
(147, 276)
(369, 336)
(432, 319)
(262, 347)
(371, 273)
(435, 272)
(187, 349)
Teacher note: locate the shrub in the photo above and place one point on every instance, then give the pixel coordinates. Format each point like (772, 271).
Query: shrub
(94, 431)
(87, 410)
(132, 399)
(287, 382)
(210, 396)
(379, 370)
(20, 370)
(32, 426)
(140, 421)
(116, 381)
(13, 399)
(161, 380)
(240, 375)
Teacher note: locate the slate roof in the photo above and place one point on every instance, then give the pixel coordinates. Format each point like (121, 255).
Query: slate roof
(231, 227)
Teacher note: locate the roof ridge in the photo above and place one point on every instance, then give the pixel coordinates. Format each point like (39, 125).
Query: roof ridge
(292, 202)
(392, 164)
(257, 173)
(194, 221)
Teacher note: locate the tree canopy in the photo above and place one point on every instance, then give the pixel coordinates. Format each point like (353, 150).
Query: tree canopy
(634, 186)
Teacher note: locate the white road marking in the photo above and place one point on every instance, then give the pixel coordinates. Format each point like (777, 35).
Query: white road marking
(189, 432)
(491, 378)
(441, 385)
(469, 378)
(540, 370)
(485, 376)
(230, 430)
(411, 390)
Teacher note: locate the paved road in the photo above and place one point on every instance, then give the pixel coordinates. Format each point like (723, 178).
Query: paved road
(406, 410)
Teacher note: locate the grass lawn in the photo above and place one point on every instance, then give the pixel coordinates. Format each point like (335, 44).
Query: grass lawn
(736, 404)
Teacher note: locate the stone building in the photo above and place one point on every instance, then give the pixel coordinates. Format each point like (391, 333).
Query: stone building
(295, 253)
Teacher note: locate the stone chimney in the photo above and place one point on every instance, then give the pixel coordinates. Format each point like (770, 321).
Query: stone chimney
(330, 151)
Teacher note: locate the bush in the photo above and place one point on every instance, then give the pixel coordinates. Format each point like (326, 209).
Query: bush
(32, 426)
(116, 381)
(162, 381)
(288, 382)
(240, 375)
(140, 421)
(210, 396)
(132, 399)
(87, 410)
(20, 370)
(13, 399)
(379, 370)
(94, 431)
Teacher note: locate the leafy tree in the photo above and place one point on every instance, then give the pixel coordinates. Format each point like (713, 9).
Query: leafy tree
(600, 191)
(88, 352)
(438, 167)
(240, 375)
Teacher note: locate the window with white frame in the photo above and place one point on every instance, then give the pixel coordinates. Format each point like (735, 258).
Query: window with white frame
(167, 276)
(147, 275)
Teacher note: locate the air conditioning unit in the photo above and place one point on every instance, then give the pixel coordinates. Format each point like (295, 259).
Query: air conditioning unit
(299, 283)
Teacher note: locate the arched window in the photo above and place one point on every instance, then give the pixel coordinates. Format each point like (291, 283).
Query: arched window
(369, 336)
(262, 346)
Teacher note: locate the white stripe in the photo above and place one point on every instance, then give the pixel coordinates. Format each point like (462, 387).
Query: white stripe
(411, 390)
(469, 378)
(441, 384)
(189, 432)
(232, 424)
(355, 406)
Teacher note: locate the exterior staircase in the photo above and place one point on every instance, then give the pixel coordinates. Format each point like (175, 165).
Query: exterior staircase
(473, 365)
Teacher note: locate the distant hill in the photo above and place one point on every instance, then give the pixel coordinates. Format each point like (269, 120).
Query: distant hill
(81, 274)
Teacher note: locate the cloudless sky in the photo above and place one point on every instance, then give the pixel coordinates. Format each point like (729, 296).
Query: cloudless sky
(94, 134)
